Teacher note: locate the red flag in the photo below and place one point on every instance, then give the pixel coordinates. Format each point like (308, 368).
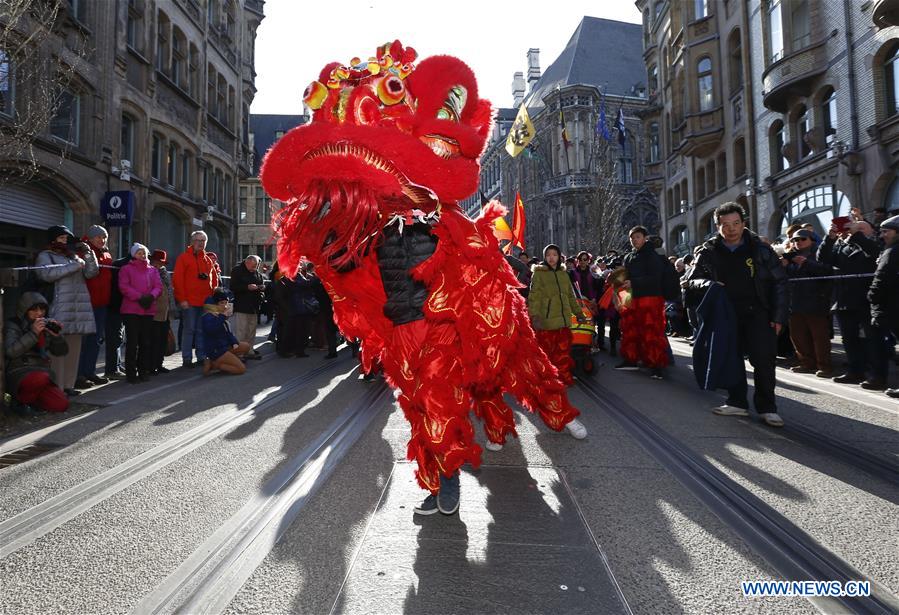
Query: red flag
(518, 224)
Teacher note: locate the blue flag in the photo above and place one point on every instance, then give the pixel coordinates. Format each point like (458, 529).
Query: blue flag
(622, 129)
(602, 128)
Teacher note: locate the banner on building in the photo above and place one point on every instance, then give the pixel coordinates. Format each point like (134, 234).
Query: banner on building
(117, 208)
(521, 133)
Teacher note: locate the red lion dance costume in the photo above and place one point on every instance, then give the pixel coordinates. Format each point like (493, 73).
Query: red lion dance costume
(372, 186)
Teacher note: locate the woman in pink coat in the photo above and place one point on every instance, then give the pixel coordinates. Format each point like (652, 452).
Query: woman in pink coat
(140, 285)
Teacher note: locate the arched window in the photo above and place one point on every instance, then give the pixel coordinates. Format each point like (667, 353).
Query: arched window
(891, 201)
(776, 142)
(179, 59)
(735, 61)
(829, 112)
(704, 78)
(7, 91)
(163, 32)
(817, 206)
(891, 78)
(739, 158)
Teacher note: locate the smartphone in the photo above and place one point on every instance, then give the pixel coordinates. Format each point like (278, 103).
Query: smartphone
(841, 222)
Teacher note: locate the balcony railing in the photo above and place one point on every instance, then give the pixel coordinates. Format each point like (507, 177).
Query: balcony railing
(572, 181)
(793, 75)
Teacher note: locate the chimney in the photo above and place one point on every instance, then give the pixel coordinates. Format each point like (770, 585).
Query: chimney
(533, 67)
(517, 89)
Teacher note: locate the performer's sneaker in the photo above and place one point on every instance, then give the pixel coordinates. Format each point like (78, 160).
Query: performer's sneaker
(772, 419)
(493, 446)
(448, 497)
(427, 507)
(728, 410)
(657, 374)
(627, 366)
(576, 429)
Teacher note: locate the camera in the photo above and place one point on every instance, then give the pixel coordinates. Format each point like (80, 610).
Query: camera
(203, 276)
(52, 325)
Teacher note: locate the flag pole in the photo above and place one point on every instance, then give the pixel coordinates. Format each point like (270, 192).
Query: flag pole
(564, 133)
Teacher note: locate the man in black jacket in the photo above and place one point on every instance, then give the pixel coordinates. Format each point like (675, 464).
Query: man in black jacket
(248, 287)
(854, 251)
(651, 279)
(884, 291)
(756, 284)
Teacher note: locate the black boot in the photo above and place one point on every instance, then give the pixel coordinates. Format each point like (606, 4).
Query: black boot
(612, 345)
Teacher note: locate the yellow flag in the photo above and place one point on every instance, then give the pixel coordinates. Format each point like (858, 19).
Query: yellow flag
(501, 229)
(521, 133)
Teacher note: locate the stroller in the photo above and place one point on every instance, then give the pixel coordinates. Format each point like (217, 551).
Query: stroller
(582, 332)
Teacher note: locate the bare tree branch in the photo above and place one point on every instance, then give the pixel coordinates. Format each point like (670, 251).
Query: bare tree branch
(40, 46)
(605, 203)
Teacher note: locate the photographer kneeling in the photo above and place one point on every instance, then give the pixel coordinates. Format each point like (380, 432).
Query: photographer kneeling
(30, 339)
(223, 351)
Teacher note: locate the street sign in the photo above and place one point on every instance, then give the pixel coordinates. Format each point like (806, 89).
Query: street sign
(117, 208)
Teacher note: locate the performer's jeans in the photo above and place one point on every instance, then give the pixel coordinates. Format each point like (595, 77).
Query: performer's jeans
(192, 334)
(756, 338)
(90, 345)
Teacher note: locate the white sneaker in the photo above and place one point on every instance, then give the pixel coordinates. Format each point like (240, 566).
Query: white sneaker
(493, 446)
(772, 418)
(725, 410)
(576, 429)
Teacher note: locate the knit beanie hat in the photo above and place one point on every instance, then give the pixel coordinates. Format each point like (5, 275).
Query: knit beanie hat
(552, 246)
(891, 223)
(138, 246)
(96, 231)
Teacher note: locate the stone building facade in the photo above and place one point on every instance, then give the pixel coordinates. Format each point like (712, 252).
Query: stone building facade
(255, 207)
(160, 108)
(600, 67)
(785, 106)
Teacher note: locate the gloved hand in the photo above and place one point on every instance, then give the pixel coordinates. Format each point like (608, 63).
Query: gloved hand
(145, 301)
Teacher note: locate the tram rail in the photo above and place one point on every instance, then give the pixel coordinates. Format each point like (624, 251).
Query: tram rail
(787, 548)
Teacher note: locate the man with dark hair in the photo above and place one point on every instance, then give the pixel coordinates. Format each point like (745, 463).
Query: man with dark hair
(651, 278)
(756, 285)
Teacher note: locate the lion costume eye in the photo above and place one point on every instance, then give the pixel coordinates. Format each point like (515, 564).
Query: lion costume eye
(315, 95)
(391, 90)
(454, 104)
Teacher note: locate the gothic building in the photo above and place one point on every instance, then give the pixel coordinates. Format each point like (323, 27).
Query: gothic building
(158, 108)
(559, 177)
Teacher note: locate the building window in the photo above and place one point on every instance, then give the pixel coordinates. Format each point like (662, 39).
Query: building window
(704, 76)
(229, 119)
(817, 206)
(891, 75)
(134, 26)
(829, 112)
(7, 91)
(625, 163)
(65, 123)
(653, 80)
(171, 164)
(156, 157)
(243, 251)
(226, 195)
(266, 252)
(220, 100)
(216, 187)
(799, 24)
(801, 129)
(699, 184)
(126, 145)
(185, 172)
(260, 211)
(654, 142)
(78, 9)
(205, 176)
(735, 61)
(775, 32)
(776, 142)
(179, 58)
(700, 9)
(211, 80)
(193, 72)
(242, 206)
(710, 177)
(163, 29)
(722, 171)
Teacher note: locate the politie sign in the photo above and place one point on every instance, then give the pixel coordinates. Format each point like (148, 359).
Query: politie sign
(117, 208)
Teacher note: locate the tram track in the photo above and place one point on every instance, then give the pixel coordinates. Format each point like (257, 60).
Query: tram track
(208, 580)
(26, 527)
(788, 549)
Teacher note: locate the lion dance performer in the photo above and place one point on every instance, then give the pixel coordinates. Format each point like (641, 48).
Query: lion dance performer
(371, 187)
